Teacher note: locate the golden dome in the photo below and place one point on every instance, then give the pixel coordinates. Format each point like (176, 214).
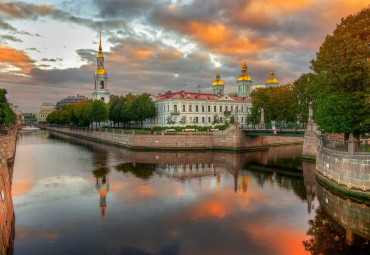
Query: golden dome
(272, 80)
(217, 82)
(101, 71)
(100, 54)
(244, 77)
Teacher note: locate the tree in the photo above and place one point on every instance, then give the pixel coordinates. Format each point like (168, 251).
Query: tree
(6, 113)
(303, 93)
(141, 108)
(82, 112)
(170, 121)
(216, 119)
(99, 111)
(182, 120)
(232, 120)
(342, 78)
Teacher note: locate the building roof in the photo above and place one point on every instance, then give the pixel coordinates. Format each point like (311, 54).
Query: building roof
(201, 96)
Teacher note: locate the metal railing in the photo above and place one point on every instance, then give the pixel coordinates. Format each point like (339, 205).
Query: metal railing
(362, 146)
(336, 145)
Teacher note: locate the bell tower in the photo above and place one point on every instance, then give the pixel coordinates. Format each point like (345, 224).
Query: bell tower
(101, 78)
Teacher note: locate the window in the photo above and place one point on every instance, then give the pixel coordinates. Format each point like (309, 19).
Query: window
(202, 119)
(190, 108)
(242, 119)
(101, 84)
(242, 109)
(220, 119)
(202, 108)
(183, 108)
(237, 110)
(220, 108)
(164, 108)
(209, 108)
(214, 109)
(175, 108)
(209, 119)
(226, 108)
(231, 108)
(196, 108)
(191, 119)
(168, 108)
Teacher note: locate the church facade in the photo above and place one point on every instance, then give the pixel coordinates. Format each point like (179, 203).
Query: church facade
(186, 108)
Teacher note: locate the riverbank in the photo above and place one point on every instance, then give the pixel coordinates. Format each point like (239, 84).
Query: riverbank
(7, 218)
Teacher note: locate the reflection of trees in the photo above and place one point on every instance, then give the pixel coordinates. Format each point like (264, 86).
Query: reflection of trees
(100, 172)
(288, 163)
(140, 170)
(328, 237)
(285, 182)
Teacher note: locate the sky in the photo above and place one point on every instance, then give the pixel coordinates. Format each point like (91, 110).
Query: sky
(48, 49)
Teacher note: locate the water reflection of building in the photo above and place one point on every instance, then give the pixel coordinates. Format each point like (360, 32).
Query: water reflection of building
(243, 179)
(102, 187)
(184, 171)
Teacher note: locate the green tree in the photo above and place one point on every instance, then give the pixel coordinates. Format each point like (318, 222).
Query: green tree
(99, 111)
(342, 78)
(141, 108)
(303, 93)
(216, 119)
(232, 120)
(170, 121)
(6, 113)
(82, 112)
(182, 120)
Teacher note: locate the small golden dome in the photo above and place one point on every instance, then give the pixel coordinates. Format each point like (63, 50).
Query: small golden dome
(244, 67)
(244, 77)
(218, 75)
(272, 80)
(100, 71)
(217, 82)
(100, 54)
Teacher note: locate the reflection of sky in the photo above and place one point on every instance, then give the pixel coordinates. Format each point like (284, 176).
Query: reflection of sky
(57, 209)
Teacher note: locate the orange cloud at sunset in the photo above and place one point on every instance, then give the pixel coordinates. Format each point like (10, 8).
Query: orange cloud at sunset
(15, 59)
(221, 38)
(286, 240)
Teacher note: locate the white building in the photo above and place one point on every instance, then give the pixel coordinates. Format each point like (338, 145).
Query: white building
(45, 110)
(101, 79)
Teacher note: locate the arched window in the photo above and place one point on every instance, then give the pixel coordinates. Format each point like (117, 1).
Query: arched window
(101, 84)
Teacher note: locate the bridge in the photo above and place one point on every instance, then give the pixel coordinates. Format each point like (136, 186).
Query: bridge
(286, 129)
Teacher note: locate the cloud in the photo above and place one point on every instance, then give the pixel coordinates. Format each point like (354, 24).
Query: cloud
(16, 60)
(123, 8)
(6, 26)
(21, 10)
(10, 38)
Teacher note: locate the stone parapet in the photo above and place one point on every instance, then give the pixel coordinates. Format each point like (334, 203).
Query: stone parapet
(346, 172)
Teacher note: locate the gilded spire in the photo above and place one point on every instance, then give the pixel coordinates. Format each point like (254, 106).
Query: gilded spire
(272, 71)
(244, 67)
(218, 73)
(100, 48)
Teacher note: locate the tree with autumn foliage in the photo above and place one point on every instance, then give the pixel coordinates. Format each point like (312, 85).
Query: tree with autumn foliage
(342, 78)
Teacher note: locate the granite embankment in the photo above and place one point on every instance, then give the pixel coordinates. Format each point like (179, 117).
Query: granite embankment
(230, 139)
(7, 151)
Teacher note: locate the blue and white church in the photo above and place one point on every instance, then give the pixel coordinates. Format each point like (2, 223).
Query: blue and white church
(101, 78)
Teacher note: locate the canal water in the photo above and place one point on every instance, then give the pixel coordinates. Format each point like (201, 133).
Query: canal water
(73, 196)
